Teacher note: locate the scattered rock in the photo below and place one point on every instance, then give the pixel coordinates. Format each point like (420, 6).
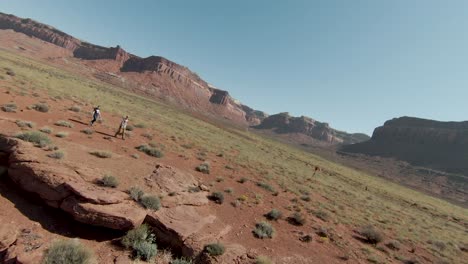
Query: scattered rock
(8, 235)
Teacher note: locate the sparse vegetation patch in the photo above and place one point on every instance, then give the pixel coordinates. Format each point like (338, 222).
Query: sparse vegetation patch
(56, 155)
(150, 151)
(109, 181)
(215, 249)
(150, 202)
(371, 234)
(63, 123)
(203, 168)
(22, 123)
(11, 107)
(41, 108)
(36, 137)
(101, 154)
(217, 197)
(274, 214)
(263, 230)
(68, 251)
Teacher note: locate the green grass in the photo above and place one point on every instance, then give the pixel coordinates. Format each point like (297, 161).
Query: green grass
(68, 251)
(63, 123)
(35, 137)
(278, 164)
(150, 151)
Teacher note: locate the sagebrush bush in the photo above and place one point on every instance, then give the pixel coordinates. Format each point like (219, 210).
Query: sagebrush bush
(46, 130)
(305, 198)
(62, 134)
(87, 131)
(41, 108)
(68, 252)
(266, 186)
(393, 245)
(263, 260)
(22, 123)
(147, 135)
(140, 125)
(150, 151)
(139, 234)
(150, 202)
(129, 128)
(371, 234)
(36, 137)
(243, 180)
(75, 108)
(109, 181)
(142, 243)
(217, 197)
(136, 193)
(203, 168)
(11, 107)
(56, 155)
(322, 215)
(229, 190)
(215, 249)
(63, 123)
(263, 230)
(297, 219)
(145, 250)
(274, 214)
(101, 154)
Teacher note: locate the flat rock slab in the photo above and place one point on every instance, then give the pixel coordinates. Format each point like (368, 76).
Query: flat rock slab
(95, 194)
(193, 199)
(166, 179)
(8, 235)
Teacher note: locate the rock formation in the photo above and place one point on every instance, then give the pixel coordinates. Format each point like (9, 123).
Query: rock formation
(438, 145)
(283, 123)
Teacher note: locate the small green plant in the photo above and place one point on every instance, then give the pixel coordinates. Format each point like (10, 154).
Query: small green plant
(87, 131)
(215, 249)
(68, 251)
(323, 215)
(142, 242)
(63, 123)
(46, 130)
(266, 186)
(129, 128)
(41, 108)
(305, 198)
(393, 245)
(62, 134)
(263, 260)
(101, 154)
(274, 214)
(181, 261)
(136, 193)
(140, 125)
(219, 179)
(150, 151)
(109, 181)
(297, 219)
(217, 197)
(371, 234)
(21, 123)
(147, 135)
(35, 137)
(243, 180)
(203, 168)
(145, 250)
(263, 230)
(11, 107)
(150, 202)
(229, 190)
(75, 108)
(56, 155)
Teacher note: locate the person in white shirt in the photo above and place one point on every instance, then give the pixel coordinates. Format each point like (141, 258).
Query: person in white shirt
(122, 127)
(96, 115)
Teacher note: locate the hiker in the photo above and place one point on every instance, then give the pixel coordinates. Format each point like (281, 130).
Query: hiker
(122, 127)
(96, 115)
(317, 169)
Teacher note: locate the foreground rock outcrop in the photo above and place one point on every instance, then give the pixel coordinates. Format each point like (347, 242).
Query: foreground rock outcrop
(439, 145)
(283, 123)
(63, 187)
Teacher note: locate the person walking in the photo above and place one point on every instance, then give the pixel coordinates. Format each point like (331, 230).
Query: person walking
(96, 115)
(122, 127)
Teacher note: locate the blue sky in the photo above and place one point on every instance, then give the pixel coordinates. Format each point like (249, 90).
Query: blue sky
(353, 64)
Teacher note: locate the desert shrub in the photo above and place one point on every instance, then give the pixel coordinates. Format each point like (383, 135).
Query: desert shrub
(215, 249)
(145, 250)
(150, 151)
(274, 214)
(36, 137)
(87, 131)
(109, 181)
(147, 135)
(229, 190)
(263, 230)
(305, 198)
(69, 252)
(306, 238)
(236, 203)
(322, 215)
(136, 193)
(181, 261)
(10, 72)
(219, 179)
(188, 146)
(11, 107)
(242, 180)
(263, 260)
(297, 219)
(129, 128)
(41, 108)
(140, 125)
(141, 241)
(203, 168)
(266, 186)
(61, 134)
(46, 130)
(63, 123)
(150, 202)
(101, 154)
(323, 232)
(135, 156)
(217, 197)
(393, 245)
(194, 189)
(75, 108)
(228, 167)
(56, 155)
(439, 245)
(22, 123)
(371, 234)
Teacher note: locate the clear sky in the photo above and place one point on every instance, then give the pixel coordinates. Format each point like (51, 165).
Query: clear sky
(353, 64)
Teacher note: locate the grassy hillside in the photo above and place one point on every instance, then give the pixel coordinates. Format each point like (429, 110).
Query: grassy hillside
(346, 196)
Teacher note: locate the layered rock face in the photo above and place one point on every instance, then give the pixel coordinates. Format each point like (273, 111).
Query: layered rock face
(283, 123)
(438, 145)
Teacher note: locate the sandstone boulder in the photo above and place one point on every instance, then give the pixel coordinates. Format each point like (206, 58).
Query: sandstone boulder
(166, 179)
